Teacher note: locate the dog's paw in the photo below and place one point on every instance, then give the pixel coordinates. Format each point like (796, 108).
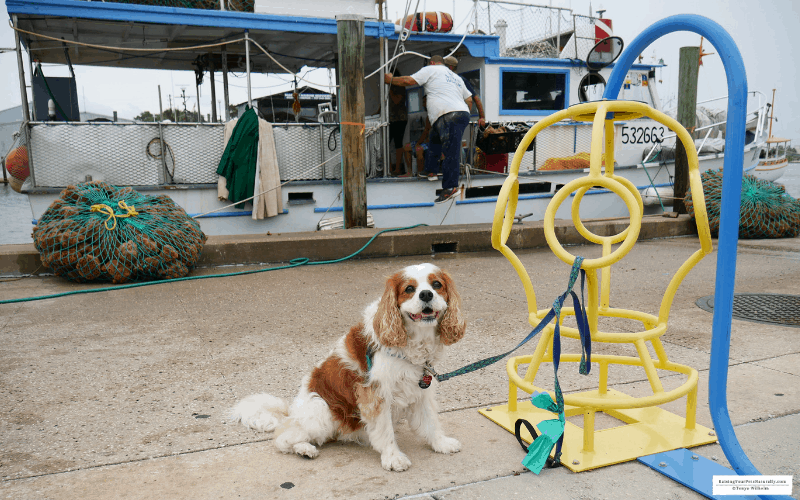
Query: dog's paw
(306, 449)
(395, 460)
(446, 445)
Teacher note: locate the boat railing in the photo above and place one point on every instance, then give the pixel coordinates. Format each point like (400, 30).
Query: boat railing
(139, 154)
(525, 30)
(759, 115)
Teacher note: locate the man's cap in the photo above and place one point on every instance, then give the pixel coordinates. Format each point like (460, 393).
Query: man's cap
(450, 61)
(437, 59)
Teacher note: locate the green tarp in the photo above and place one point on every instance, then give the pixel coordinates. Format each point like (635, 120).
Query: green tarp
(238, 162)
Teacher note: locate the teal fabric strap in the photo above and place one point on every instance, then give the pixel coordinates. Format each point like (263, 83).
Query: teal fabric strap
(552, 431)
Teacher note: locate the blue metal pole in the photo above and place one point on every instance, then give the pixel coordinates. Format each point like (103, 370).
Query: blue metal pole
(729, 216)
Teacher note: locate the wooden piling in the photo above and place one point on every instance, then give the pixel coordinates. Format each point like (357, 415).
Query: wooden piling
(688, 69)
(350, 35)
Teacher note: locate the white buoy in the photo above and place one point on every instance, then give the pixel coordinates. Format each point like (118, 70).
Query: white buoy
(650, 196)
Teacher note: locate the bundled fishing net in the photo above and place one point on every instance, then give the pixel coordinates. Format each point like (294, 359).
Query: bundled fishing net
(766, 210)
(99, 232)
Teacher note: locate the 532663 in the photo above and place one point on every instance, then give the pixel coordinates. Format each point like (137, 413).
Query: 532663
(642, 135)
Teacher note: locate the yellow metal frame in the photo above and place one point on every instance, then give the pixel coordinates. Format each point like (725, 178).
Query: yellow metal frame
(649, 429)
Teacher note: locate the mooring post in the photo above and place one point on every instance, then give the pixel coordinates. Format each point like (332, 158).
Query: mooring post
(350, 35)
(688, 69)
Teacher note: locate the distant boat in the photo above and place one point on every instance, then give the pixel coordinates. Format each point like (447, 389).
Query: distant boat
(775, 159)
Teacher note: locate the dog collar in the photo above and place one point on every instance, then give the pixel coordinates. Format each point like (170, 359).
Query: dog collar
(428, 372)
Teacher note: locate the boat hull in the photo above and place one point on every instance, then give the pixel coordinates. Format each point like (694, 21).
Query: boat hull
(770, 170)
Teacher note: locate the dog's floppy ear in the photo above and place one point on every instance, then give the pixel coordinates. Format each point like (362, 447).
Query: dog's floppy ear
(388, 324)
(453, 326)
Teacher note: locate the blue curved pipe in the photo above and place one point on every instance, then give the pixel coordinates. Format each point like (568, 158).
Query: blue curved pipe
(729, 216)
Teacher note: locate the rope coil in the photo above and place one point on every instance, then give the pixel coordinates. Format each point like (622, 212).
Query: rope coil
(105, 209)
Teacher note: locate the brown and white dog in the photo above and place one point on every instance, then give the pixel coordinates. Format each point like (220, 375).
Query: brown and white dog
(374, 375)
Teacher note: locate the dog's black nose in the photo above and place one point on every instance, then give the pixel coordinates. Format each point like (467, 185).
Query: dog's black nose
(426, 295)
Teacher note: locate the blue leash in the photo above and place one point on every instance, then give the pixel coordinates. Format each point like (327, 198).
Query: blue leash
(555, 312)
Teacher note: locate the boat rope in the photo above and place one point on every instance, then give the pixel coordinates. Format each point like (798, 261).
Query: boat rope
(113, 216)
(297, 262)
(131, 49)
(655, 189)
(450, 205)
(405, 52)
(338, 197)
(266, 52)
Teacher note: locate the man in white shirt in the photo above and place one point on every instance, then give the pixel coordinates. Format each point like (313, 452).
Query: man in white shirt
(448, 111)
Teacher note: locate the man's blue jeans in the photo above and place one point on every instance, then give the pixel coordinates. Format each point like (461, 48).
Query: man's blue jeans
(445, 138)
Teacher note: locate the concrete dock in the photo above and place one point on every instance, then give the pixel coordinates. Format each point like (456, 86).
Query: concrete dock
(124, 394)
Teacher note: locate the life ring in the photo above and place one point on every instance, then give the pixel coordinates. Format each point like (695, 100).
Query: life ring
(435, 22)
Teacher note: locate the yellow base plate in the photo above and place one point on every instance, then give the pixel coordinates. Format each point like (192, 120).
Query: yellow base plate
(647, 431)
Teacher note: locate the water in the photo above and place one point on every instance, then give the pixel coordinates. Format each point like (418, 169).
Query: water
(15, 212)
(791, 180)
(15, 217)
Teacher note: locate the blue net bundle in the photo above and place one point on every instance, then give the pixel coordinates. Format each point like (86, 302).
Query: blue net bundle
(766, 210)
(98, 232)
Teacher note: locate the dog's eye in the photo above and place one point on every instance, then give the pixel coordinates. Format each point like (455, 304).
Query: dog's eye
(409, 289)
(436, 285)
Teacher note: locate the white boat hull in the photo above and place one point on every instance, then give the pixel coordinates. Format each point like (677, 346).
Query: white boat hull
(770, 170)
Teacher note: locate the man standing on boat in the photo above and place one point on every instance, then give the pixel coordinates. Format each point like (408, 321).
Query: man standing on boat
(452, 63)
(448, 110)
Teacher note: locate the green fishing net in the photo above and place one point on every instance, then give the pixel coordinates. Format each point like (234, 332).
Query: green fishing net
(99, 232)
(766, 210)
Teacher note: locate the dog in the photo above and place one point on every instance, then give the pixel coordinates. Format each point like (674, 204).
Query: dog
(376, 374)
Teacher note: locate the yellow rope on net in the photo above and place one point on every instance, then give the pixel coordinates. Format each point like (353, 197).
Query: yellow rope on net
(103, 208)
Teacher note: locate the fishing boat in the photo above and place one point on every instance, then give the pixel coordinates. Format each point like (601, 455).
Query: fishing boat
(774, 159)
(559, 60)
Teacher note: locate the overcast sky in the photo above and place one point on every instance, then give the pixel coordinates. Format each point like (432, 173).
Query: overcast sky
(766, 32)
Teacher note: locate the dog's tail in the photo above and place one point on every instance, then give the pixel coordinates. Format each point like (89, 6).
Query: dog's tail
(260, 412)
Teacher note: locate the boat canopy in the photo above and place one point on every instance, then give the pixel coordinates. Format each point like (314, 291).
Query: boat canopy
(50, 25)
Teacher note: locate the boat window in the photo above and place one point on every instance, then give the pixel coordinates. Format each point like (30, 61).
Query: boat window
(474, 79)
(530, 92)
(591, 87)
(414, 99)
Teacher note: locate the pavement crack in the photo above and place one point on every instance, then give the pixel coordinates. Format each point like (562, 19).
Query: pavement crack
(434, 493)
(133, 461)
(10, 317)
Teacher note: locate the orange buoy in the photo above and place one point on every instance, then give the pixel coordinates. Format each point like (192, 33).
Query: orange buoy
(17, 163)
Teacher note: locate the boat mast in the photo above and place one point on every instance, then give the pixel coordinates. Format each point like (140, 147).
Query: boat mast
(384, 98)
(247, 61)
(23, 92)
(771, 112)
